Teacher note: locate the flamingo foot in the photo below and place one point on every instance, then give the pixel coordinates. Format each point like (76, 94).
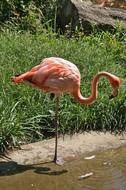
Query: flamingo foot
(59, 161)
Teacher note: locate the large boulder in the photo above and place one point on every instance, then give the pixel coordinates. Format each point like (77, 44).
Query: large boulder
(85, 14)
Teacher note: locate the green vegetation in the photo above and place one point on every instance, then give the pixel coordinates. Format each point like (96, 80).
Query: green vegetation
(27, 15)
(27, 35)
(26, 114)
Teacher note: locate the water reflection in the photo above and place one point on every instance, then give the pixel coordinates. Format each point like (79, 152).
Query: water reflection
(108, 168)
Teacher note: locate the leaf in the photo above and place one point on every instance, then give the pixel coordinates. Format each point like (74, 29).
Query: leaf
(85, 176)
(90, 157)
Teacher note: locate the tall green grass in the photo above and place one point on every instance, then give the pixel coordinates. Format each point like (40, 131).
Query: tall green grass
(26, 114)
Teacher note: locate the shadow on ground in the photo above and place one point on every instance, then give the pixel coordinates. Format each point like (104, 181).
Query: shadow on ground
(8, 168)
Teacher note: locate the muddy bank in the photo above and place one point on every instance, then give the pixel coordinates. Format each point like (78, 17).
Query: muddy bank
(69, 147)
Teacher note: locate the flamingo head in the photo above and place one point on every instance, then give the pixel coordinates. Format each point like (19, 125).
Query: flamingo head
(115, 83)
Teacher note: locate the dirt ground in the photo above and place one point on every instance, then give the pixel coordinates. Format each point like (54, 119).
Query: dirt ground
(68, 147)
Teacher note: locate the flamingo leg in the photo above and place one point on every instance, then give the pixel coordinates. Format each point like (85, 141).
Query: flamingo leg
(56, 127)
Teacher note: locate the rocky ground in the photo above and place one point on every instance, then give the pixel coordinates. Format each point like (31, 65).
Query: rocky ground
(68, 147)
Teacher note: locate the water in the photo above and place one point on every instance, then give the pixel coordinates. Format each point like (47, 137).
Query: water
(109, 173)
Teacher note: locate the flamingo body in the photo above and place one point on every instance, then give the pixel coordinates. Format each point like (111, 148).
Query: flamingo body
(54, 75)
(57, 75)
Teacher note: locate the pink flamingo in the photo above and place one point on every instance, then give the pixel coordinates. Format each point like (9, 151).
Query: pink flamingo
(57, 76)
(103, 3)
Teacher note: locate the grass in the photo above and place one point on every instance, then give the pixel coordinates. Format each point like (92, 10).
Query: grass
(26, 114)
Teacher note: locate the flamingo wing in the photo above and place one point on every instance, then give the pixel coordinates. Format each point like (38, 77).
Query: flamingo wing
(52, 75)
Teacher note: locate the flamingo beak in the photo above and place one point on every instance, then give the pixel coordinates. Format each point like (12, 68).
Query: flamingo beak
(111, 97)
(52, 95)
(115, 93)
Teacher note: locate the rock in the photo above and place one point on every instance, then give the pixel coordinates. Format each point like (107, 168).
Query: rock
(79, 13)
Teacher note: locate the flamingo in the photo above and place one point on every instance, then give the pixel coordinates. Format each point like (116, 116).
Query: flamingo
(104, 3)
(57, 75)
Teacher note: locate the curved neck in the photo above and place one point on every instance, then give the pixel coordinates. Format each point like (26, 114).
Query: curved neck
(89, 100)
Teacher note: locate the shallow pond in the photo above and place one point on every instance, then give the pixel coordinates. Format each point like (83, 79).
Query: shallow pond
(108, 168)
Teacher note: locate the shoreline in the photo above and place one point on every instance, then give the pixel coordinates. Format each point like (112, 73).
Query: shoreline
(68, 147)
